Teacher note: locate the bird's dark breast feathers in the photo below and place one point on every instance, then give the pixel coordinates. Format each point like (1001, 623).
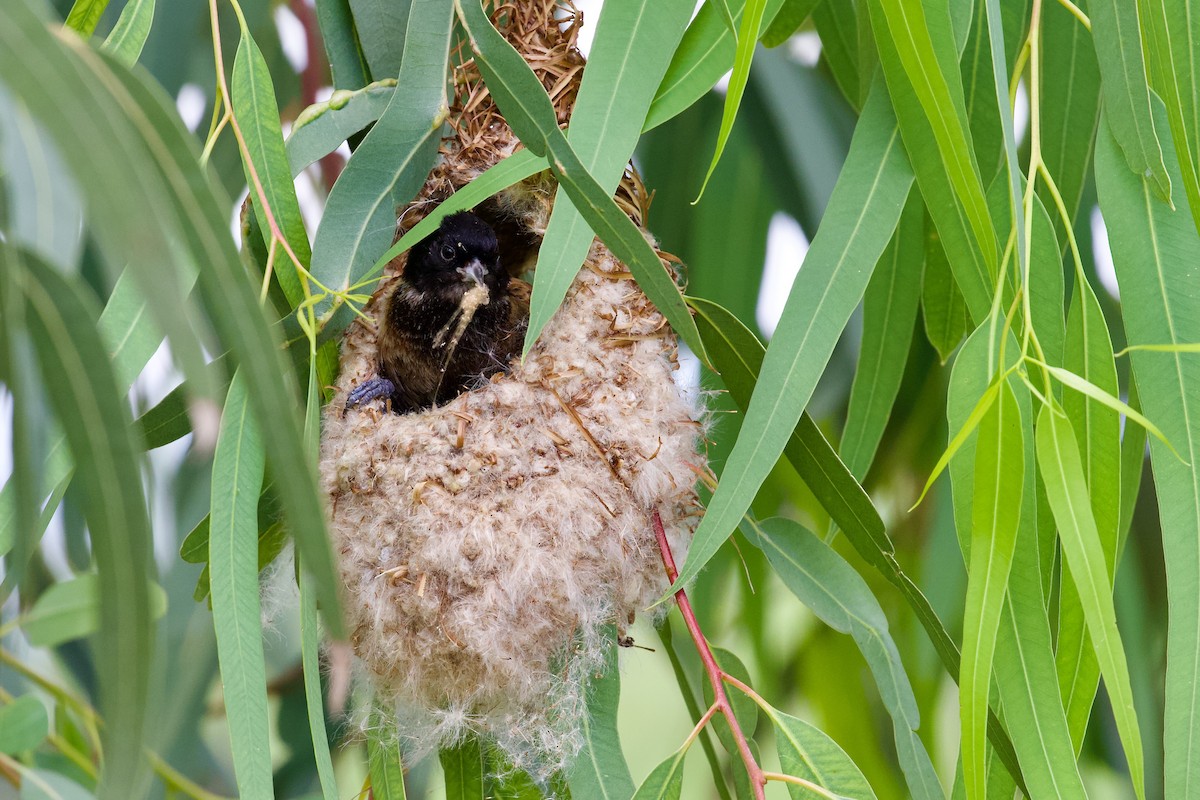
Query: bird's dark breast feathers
(408, 357)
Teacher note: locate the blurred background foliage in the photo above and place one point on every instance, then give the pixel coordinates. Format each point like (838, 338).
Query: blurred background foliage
(744, 242)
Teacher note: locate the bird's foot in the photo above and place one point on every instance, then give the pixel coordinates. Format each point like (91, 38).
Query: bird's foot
(368, 390)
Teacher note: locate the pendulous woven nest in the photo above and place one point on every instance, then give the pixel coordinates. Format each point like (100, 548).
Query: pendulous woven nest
(486, 544)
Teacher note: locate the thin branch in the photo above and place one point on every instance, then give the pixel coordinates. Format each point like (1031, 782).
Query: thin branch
(715, 674)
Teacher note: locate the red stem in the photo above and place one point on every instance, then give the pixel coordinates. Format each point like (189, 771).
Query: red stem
(716, 676)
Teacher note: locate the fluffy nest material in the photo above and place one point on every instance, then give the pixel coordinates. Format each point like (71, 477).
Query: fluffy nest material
(486, 544)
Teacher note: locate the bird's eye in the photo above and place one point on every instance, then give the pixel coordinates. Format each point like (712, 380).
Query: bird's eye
(447, 252)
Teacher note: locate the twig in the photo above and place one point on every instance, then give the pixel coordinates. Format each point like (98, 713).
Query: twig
(716, 676)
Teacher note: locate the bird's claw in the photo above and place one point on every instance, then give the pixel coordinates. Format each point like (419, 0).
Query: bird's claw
(368, 390)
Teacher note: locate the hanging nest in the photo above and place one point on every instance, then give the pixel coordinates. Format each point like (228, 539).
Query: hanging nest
(485, 545)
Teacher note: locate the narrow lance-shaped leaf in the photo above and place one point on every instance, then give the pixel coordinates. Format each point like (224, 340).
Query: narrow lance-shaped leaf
(706, 52)
(747, 38)
(1089, 354)
(95, 418)
(859, 221)
(996, 515)
(383, 760)
(1070, 108)
(252, 94)
(1066, 488)
(342, 48)
(665, 782)
(238, 467)
(807, 752)
(1126, 95)
(462, 766)
(835, 593)
(600, 770)
(382, 28)
(391, 163)
(128, 36)
(85, 15)
(1154, 251)
(310, 633)
(917, 51)
(1172, 34)
(322, 127)
(633, 45)
(889, 311)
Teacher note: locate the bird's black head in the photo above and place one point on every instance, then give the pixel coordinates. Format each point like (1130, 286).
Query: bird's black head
(462, 252)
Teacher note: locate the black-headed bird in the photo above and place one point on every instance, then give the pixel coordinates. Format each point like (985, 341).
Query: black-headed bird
(454, 319)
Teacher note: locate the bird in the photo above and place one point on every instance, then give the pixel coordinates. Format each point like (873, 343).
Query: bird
(453, 319)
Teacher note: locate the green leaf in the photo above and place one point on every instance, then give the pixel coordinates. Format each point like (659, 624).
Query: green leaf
(1066, 488)
(95, 416)
(1091, 390)
(1070, 108)
(383, 760)
(233, 558)
(167, 421)
(528, 110)
(600, 770)
(806, 752)
(917, 51)
(942, 304)
(834, 591)
(85, 16)
(17, 373)
(1024, 661)
(1126, 95)
(128, 36)
(1172, 33)
(747, 36)
(745, 710)
(996, 509)
(391, 163)
(43, 784)
(23, 724)
(346, 59)
(665, 782)
(1160, 304)
(790, 17)
(837, 25)
(71, 610)
(310, 633)
(859, 221)
(706, 52)
(1011, 165)
(265, 163)
(634, 42)
(322, 127)
(1089, 354)
(44, 209)
(463, 768)
(382, 28)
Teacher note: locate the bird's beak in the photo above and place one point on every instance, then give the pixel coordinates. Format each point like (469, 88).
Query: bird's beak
(474, 271)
